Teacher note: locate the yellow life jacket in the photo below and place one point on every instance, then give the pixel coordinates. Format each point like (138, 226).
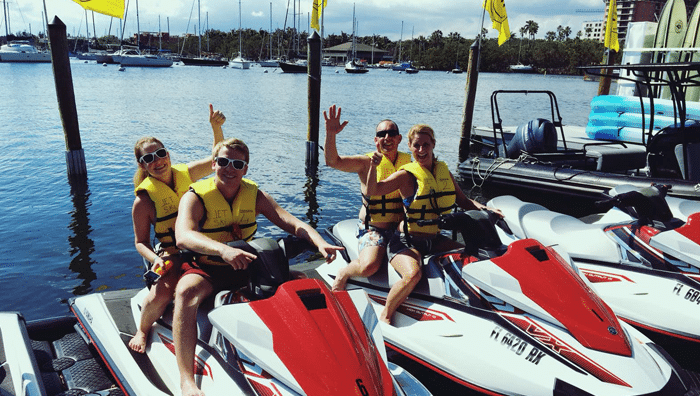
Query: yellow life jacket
(223, 222)
(435, 194)
(166, 201)
(386, 208)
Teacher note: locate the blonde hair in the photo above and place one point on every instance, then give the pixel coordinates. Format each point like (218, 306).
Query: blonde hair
(231, 144)
(141, 174)
(424, 129)
(421, 128)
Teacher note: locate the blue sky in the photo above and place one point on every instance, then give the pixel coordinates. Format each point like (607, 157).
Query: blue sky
(381, 17)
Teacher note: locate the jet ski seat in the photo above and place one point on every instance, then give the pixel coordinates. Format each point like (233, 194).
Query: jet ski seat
(265, 274)
(345, 231)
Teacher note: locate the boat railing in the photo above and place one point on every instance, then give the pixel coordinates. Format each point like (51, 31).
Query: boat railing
(655, 77)
(555, 119)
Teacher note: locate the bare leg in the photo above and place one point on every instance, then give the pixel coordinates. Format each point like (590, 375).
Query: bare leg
(190, 291)
(367, 264)
(158, 298)
(407, 263)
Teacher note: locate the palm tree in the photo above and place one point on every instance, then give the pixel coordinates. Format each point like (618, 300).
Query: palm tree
(531, 28)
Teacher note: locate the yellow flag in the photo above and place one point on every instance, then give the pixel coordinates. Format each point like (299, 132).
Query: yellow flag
(113, 8)
(316, 10)
(611, 28)
(497, 12)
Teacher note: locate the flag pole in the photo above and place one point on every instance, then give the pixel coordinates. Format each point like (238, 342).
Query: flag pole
(470, 94)
(478, 59)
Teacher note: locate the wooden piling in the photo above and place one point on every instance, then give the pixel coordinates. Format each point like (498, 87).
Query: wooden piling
(75, 158)
(604, 83)
(468, 115)
(314, 102)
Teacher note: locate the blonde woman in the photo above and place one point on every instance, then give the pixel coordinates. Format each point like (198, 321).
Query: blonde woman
(159, 187)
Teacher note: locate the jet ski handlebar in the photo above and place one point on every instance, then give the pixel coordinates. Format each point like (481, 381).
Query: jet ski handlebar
(476, 226)
(647, 204)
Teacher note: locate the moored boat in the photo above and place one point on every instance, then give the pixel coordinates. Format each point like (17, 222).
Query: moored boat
(49, 358)
(141, 60)
(487, 312)
(520, 68)
(204, 61)
(632, 254)
(565, 162)
(240, 63)
(243, 345)
(23, 52)
(298, 66)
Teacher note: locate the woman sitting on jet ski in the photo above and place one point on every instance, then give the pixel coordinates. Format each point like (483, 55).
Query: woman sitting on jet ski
(428, 189)
(159, 187)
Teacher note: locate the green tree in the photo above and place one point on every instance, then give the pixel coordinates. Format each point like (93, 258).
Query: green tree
(531, 28)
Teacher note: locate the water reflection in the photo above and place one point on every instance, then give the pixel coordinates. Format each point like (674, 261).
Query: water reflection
(81, 245)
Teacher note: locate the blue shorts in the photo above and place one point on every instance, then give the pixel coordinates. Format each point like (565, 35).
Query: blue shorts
(372, 236)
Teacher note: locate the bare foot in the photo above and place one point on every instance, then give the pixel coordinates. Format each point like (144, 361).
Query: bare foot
(190, 389)
(339, 283)
(138, 342)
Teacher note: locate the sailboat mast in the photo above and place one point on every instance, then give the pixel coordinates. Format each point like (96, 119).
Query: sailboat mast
(199, 29)
(240, 42)
(401, 42)
(7, 27)
(269, 55)
(87, 30)
(353, 32)
(294, 31)
(160, 36)
(138, 27)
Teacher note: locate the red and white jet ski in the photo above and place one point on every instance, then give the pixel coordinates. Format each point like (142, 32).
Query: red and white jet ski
(303, 340)
(639, 258)
(513, 320)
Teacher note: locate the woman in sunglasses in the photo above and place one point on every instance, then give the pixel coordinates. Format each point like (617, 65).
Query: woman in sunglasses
(159, 187)
(428, 189)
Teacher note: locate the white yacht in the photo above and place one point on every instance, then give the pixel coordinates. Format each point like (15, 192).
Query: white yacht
(240, 63)
(22, 51)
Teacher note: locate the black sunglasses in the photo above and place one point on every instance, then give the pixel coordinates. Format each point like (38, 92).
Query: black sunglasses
(150, 157)
(237, 164)
(390, 132)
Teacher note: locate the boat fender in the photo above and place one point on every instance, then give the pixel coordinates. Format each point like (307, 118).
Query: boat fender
(535, 136)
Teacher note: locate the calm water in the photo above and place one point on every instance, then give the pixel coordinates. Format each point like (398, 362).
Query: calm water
(57, 244)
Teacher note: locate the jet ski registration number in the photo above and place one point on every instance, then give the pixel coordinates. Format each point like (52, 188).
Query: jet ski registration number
(515, 344)
(691, 295)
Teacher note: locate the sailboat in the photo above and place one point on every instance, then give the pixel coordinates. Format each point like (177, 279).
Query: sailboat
(270, 62)
(296, 64)
(20, 51)
(411, 69)
(519, 67)
(134, 57)
(352, 66)
(238, 62)
(199, 60)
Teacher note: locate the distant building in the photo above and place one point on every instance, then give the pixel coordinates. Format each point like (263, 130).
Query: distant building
(341, 53)
(594, 30)
(637, 11)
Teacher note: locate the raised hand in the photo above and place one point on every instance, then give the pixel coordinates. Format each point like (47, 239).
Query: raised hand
(216, 118)
(332, 117)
